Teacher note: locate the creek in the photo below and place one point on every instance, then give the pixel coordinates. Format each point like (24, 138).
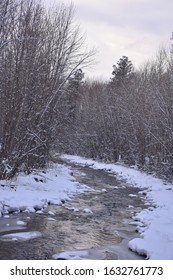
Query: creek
(97, 222)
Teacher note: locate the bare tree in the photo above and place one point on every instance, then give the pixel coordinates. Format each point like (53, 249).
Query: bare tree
(130, 119)
(42, 50)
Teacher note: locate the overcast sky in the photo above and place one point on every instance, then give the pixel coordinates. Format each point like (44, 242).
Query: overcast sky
(134, 28)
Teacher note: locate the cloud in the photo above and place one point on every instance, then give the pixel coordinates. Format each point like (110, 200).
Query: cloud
(135, 28)
(140, 15)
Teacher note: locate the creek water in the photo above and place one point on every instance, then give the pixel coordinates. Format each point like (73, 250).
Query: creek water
(97, 221)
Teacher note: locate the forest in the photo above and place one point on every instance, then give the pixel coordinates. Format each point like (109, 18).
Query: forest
(47, 105)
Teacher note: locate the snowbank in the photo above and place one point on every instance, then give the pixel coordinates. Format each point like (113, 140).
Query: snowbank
(155, 224)
(34, 192)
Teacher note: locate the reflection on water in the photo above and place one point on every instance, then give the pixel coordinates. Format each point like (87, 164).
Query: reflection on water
(107, 227)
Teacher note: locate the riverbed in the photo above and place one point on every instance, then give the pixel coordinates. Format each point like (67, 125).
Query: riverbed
(97, 222)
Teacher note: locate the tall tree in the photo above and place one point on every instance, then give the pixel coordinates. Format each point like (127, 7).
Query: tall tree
(122, 72)
(42, 50)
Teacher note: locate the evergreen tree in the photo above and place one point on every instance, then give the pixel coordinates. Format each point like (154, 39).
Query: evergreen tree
(123, 72)
(73, 90)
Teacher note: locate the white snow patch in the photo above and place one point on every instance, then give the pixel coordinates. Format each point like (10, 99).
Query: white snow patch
(6, 216)
(87, 210)
(21, 236)
(40, 212)
(51, 213)
(71, 255)
(30, 209)
(136, 223)
(116, 232)
(51, 219)
(21, 223)
(72, 209)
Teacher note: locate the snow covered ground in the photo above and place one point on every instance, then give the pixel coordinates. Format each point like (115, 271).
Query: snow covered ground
(154, 224)
(35, 191)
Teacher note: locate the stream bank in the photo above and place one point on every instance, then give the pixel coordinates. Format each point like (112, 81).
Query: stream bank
(97, 222)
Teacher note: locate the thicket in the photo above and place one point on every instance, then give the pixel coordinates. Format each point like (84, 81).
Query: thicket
(40, 50)
(130, 117)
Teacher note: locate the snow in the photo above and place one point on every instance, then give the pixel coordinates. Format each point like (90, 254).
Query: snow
(51, 213)
(6, 216)
(87, 210)
(72, 209)
(155, 224)
(40, 212)
(131, 206)
(30, 195)
(34, 192)
(51, 219)
(21, 223)
(71, 255)
(21, 236)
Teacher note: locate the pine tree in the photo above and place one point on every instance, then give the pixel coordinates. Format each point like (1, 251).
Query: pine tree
(123, 72)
